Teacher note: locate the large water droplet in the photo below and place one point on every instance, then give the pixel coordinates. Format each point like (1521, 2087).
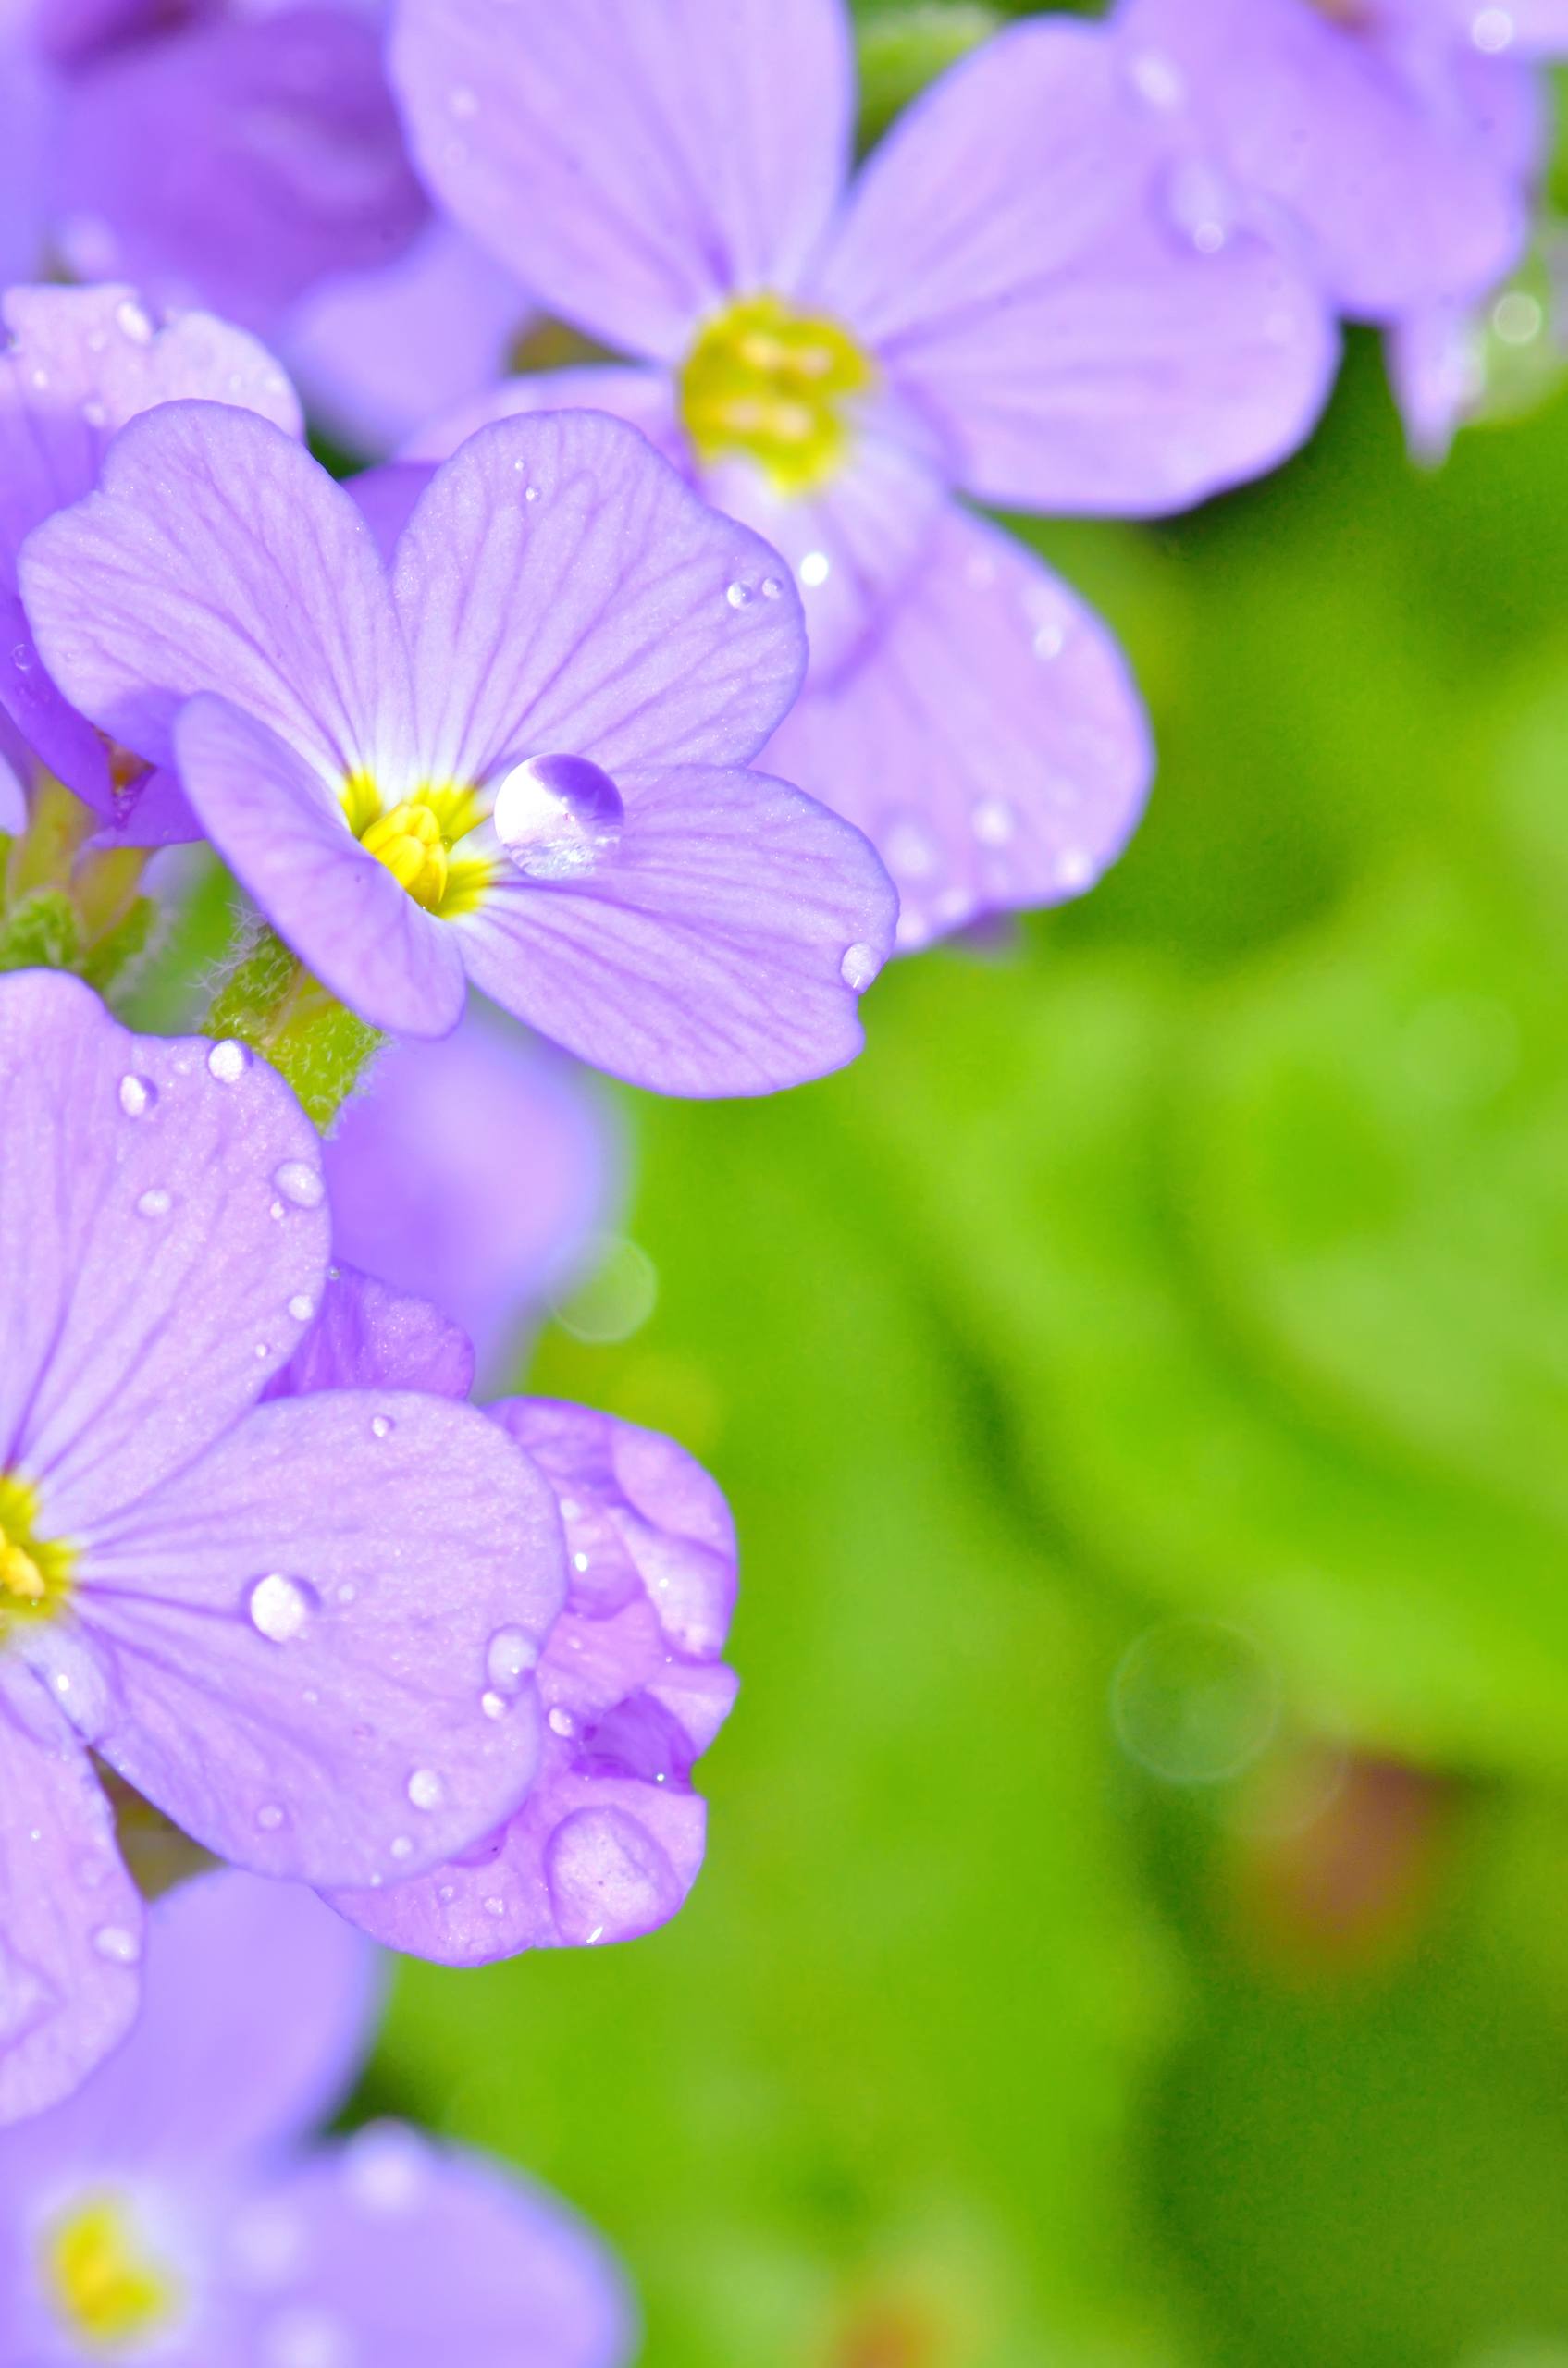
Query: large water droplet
(509, 1658)
(426, 1789)
(279, 1607)
(859, 967)
(558, 816)
(301, 1183)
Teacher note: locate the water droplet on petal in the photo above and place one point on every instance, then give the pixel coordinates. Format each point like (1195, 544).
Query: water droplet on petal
(301, 1308)
(1156, 79)
(134, 323)
(1201, 205)
(382, 1427)
(279, 1607)
(385, 2167)
(115, 1943)
(772, 587)
(859, 967)
(155, 1203)
(495, 1907)
(401, 1847)
(509, 1658)
(493, 1705)
(269, 1816)
(558, 816)
(993, 821)
(301, 1183)
(738, 595)
(426, 1789)
(562, 1723)
(1492, 31)
(228, 1061)
(137, 1096)
(1049, 641)
(21, 657)
(814, 569)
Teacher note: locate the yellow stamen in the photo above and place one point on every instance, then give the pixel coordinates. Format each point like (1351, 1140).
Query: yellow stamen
(35, 1572)
(104, 2286)
(409, 840)
(775, 386)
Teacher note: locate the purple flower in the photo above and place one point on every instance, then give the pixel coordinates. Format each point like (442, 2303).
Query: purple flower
(609, 1839)
(217, 155)
(274, 1620)
(78, 364)
(515, 756)
(1393, 139)
(1010, 300)
(174, 2210)
(477, 1172)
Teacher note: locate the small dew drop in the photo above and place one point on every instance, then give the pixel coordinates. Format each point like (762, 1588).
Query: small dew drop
(228, 1061)
(815, 569)
(562, 1723)
(279, 1608)
(738, 595)
(134, 323)
(772, 587)
(299, 1183)
(495, 1907)
(1156, 79)
(1049, 642)
(301, 1308)
(269, 1816)
(993, 821)
(508, 1656)
(382, 1427)
(859, 967)
(21, 657)
(401, 1847)
(137, 1096)
(426, 1789)
(493, 1705)
(1492, 31)
(114, 1942)
(155, 1203)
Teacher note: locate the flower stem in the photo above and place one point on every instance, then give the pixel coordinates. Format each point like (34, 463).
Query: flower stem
(268, 999)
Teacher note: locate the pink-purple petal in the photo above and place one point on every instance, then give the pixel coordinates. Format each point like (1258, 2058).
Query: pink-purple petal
(296, 1633)
(644, 398)
(722, 948)
(564, 591)
(270, 816)
(990, 742)
(366, 1334)
(635, 160)
(138, 1181)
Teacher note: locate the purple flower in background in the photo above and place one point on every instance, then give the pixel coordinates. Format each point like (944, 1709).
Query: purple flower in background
(609, 1839)
(476, 1174)
(218, 155)
(78, 364)
(1010, 300)
(275, 1621)
(173, 2209)
(515, 756)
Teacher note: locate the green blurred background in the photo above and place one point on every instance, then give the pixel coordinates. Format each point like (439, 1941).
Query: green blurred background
(1135, 1928)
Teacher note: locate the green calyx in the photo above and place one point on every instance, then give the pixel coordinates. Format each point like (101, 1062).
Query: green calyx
(268, 999)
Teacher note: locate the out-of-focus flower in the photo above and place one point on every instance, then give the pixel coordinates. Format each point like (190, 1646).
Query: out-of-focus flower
(611, 1837)
(475, 1173)
(172, 2211)
(276, 1620)
(222, 154)
(516, 757)
(1013, 299)
(1395, 142)
(77, 364)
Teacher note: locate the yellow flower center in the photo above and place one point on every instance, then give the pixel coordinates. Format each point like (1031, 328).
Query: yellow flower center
(415, 839)
(776, 387)
(103, 2284)
(35, 1572)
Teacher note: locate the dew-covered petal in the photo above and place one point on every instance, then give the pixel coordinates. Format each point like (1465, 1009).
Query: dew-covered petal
(79, 363)
(644, 398)
(71, 1917)
(270, 817)
(609, 1839)
(1375, 159)
(144, 1277)
(257, 2007)
(991, 742)
(721, 948)
(365, 1335)
(476, 1172)
(379, 353)
(564, 591)
(635, 160)
(421, 2254)
(279, 159)
(1018, 255)
(218, 556)
(852, 545)
(295, 1634)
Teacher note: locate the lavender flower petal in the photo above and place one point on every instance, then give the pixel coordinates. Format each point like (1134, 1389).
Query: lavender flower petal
(644, 399)
(294, 1635)
(69, 1980)
(723, 947)
(368, 1335)
(148, 1282)
(1019, 255)
(562, 589)
(991, 743)
(271, 817)
(634, 165)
